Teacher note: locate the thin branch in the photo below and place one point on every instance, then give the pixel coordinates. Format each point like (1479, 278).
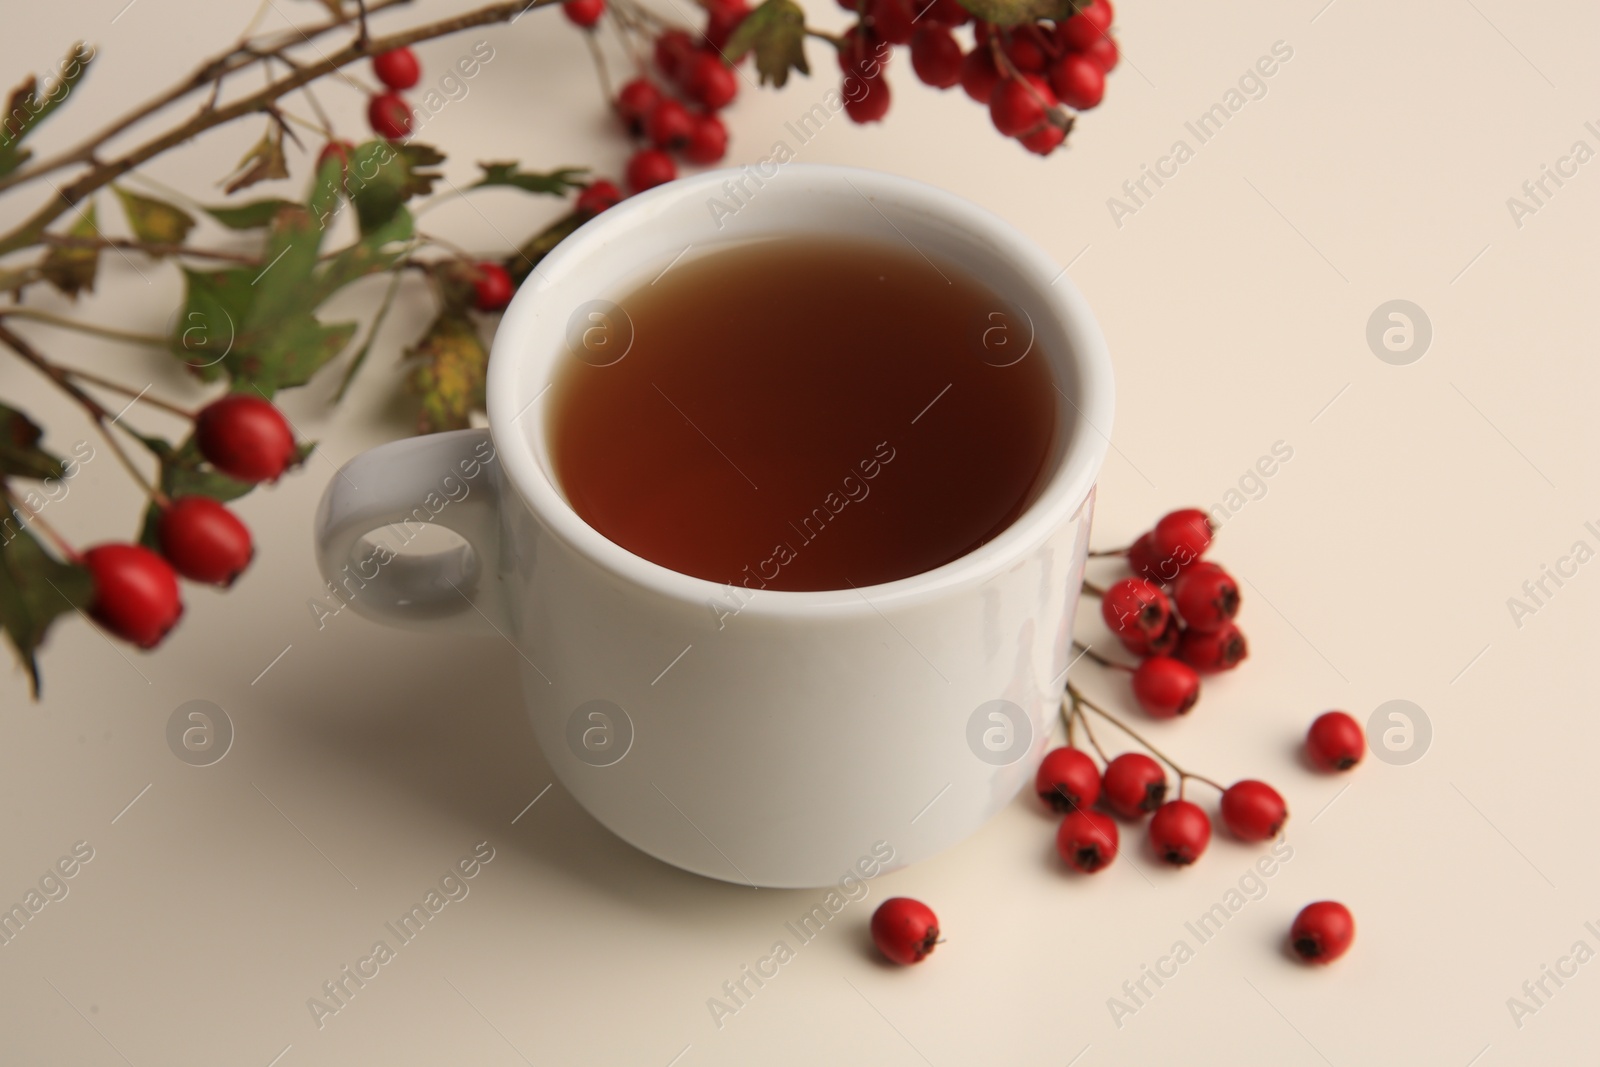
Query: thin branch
(128, 391)
(149, 248)
(1092, 589)
(150, 340)
(1098, 658)
(1083, 701)
(35, 519)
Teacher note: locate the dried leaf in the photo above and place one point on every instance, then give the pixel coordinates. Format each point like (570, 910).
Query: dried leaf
(450, 377)
(27, 108)
(776, 32)
(73, 269)
(556, 183)
(154, 221)
(35, 588)
(263, 162)
(20, 454)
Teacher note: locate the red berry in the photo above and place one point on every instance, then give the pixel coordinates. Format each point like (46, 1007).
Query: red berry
(674, 49)
(1144, 562)
(668, 125)
(1221, 650)
(245, 437)
(1067, 780)
(904, 930)
(1104, 52)
(204, 541)
(1133, 785)
(708, 141)
(492, 288)
(389, 116)
(979, 75)
(1322, 932)
(1163, 644)
(710, 81)
(1018, 104)
(936, 57)
(1087, 26)
(723, 18)
(1335, 741)
(1025, 52)
(1133, 605)
(1253, 811)
(863, 53)
(397, 68)
(1182, 536)
(1044, 140)
(870, 100)
(584, 13)
(1206, 596)
(635, 100)
(1180, 832)
(893, 20)
(599, 195)
(1087, 840)
(1165, 687)
(944, 12)
(648, 168)
(1078, 80)
(135, 592)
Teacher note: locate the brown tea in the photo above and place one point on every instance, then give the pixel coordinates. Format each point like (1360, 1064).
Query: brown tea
(803, 414)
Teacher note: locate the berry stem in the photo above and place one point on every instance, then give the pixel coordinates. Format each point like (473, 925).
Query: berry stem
(1076, 709)
(1089, 653)
(600, 70)
(68, 553)
(1092, 589)
(1103, 553)
(1084, 702)
(125, 390)
(150, 248)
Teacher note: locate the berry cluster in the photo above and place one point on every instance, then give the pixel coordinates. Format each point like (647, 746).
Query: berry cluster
(387, 112)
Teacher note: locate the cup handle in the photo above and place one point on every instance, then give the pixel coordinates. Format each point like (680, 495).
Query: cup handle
(448, 479)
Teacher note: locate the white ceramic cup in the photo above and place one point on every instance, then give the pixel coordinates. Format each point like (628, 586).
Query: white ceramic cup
(763, 737)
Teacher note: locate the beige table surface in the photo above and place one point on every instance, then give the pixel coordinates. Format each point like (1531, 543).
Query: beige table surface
(1379, 562)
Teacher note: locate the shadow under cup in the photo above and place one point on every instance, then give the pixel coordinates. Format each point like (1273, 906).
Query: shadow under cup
(776, 737)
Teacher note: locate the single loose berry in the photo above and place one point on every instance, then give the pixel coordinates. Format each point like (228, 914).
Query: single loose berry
(673, 50)
(1165, 687)
(1078, 80)
(1068, 779)
(492, 287)
(1322, 932)
(1087, 26)
(636, 100)
(979, 75)
(1018, 104)
(867, 100)
(1133, 785)
(204, 541)
(135, 592)
(710, 82)
(669, 125)
(600, 195)
(708, 140)
(245, 437)
(1335, 741)
(905, 930)
(936, 57)
(1044, 140)
(1104, 52)
(1221, 650)
(893, 20)
(1179, 832)
(944, 13)
(389, 116)
(584, 13)
(1253, 811)
(1182, 536)
(1087, 840)
(648, 168)
(1133, 605)
(1206, 596)
(397, 68)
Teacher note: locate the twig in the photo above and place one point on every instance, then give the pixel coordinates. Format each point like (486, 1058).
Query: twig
(1092, 589)
(599, 67)
(150, 248)
(1109, 552)
(1084, 702)
(1086, 651)
(84, 327)
(35, 519)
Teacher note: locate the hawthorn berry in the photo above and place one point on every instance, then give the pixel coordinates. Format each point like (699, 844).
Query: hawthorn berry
(945, 13)
(668, 125)
(1067, 780)
(1163, 644)
(1018, 104)
(635, 100)
(1087, 26)
(1025, 51)
(598, 196)
(1087, 840)
(1180, 832)
(979, 75)
(389, 116)
(710, 82)
(1253, 811)
(936, 57)
(135, 592)
(723, 18)
(863, 53)
(1133, 605)
(1206, 596)
(1221, 650)
(397, 68)
(1044, 140)
(1144, 562)
(1104, 52)
(1182, 536)
(1133, 785)
(905, 930)
(870, 102)
(673, 50)
(203, 540)
(1322, 932)
(1335, 741)
(245, 437)
(708, 140)
(492, 287)
(1078, 80)
(893, 20)
(1165, 687)
(648, 168)
(584, 13)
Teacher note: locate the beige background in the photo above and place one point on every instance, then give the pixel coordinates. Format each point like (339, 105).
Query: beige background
(1379, 562)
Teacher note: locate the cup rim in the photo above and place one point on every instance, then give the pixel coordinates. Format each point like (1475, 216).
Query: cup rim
(1067, 489)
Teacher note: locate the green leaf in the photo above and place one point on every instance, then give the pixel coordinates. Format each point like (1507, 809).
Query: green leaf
(382, 176)
(374, 252)
(73, 269)
(35, 588)
(27, 108)
(776, 32)
(251, 216)
(556, 183)
(154, 221)
(263, 162)
(20, 454)
(1012, 12)
(450, 377)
